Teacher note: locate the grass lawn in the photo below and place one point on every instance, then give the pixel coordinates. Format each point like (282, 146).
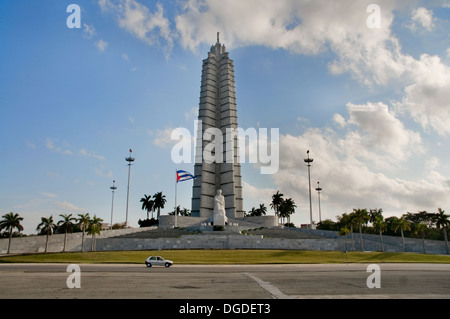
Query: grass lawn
(228, 257)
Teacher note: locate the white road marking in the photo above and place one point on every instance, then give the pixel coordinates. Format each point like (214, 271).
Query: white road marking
(274, 291)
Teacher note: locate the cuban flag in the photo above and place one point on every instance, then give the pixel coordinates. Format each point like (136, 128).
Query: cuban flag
(184, 176)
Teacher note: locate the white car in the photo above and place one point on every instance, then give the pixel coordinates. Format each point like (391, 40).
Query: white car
(158, 261)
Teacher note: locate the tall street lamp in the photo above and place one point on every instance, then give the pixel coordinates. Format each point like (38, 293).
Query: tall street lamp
(113, 188)
(308, 162)
(319, 189)
(130, 161)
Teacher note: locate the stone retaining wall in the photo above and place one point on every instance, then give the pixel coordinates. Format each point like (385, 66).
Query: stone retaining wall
(329, 241)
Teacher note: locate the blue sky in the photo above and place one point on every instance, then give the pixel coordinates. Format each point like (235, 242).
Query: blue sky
(371, 104)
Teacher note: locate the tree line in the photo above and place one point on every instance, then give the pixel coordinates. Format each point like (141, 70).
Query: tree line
(422, 225)
(283, 208)
(68, 224)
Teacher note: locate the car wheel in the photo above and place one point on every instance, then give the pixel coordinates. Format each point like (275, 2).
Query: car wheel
(149, 265)
(167, 265)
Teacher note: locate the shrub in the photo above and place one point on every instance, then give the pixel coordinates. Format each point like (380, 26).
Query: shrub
(218, 228)
(148, 222)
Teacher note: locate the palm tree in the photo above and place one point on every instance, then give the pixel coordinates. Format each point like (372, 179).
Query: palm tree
(402, 224)
(374, 213)
(159, 202)
(361, 217)
(277, 199)
(83, 223)
(344, 232)
(253, 212)
(67, 224)
(421, 229)
(443, 222)
(262, 209)
(348, 220)
(287, 208)
(11, 221)
(380, 224)
(95, 225)
(147, 204)
(46, 226)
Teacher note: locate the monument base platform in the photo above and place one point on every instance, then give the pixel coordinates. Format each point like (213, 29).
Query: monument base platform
(203, 224)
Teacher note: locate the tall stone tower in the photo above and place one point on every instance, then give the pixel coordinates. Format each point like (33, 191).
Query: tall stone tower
(217, 110)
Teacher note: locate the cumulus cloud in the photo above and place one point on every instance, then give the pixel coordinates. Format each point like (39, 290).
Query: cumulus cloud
(428, 98)
(89, 31)
(101, 45)
(381, 132)
(421, 17)
(301, 27)
(136, 18)
(67, 207)
(64, 148)
(348, 176)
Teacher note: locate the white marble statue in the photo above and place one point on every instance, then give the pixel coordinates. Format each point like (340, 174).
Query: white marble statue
(219, 215)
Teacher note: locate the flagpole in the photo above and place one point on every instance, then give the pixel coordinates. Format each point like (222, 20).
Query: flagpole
(176, 191)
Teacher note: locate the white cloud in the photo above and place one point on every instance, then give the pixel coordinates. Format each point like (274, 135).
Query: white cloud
(89, 31)
(101, 45)
(381, 132)
(428, 98)
(85, 153)
(136, 18)
(339, 120)
(257, 195)
(63, 149)
(48, 195)
(349, 177)
(163, 138)
(100, 171)
(68, 207)
(192, 113)
(421, 17)
(302, 27)
(29, 144)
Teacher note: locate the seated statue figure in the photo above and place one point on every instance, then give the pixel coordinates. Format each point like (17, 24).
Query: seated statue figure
(219, 215)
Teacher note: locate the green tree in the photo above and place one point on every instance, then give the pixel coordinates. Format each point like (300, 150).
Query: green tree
(403, 224)
(46, 226)
(361, 217)
(11, 221)
(95, 226)
(286, 209)
(148, 204)
(374, 214)
(380, 225)
(420, 229)
(252, 212)
(348, 221)
(327, 224)
(443, 223)
(262, 210)
(277, 199)
(83, 223)
(66, 224)
(159, 201)
(344, 231)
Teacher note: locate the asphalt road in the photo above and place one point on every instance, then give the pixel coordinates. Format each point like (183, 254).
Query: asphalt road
(188, 282)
